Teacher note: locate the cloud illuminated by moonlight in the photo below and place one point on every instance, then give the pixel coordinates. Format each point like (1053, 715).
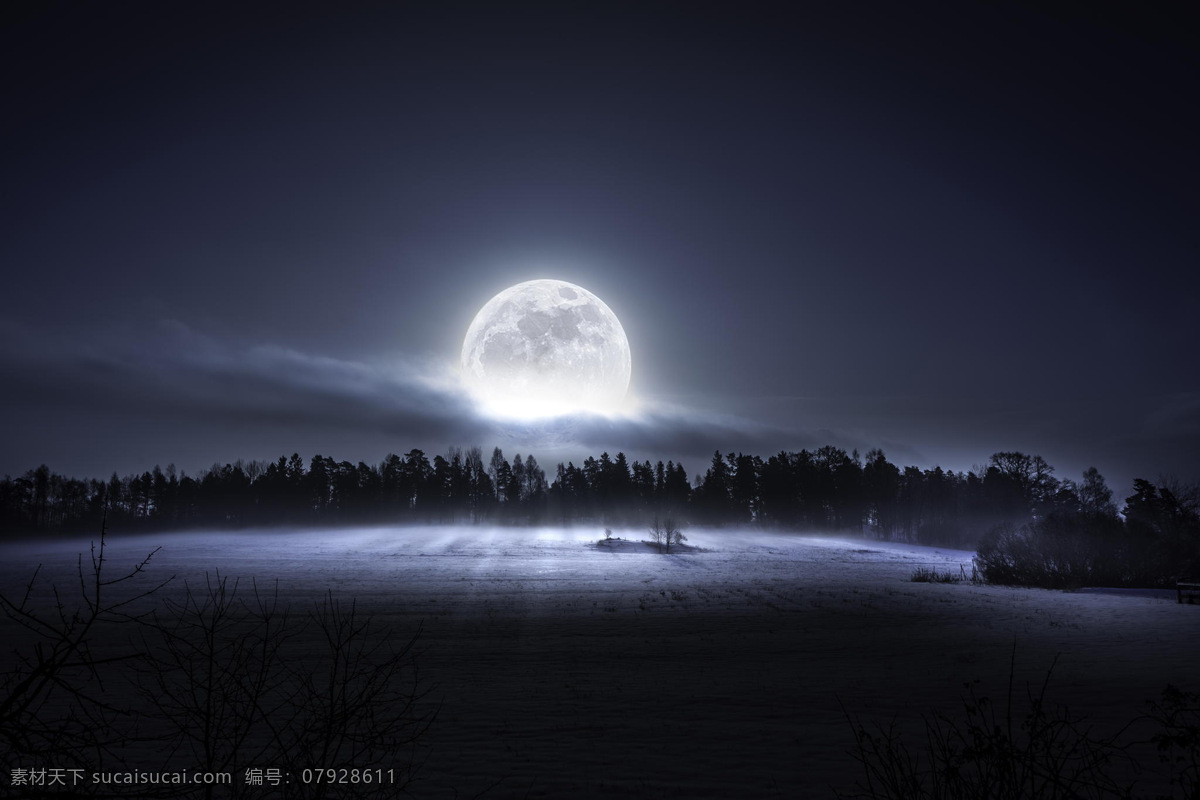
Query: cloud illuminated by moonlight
(182, 394)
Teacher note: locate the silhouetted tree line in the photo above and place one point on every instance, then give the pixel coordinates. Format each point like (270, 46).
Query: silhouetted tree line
(1016, 497)
(455, 487)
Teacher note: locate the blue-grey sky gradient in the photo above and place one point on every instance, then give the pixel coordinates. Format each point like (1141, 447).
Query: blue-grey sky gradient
(946, 231)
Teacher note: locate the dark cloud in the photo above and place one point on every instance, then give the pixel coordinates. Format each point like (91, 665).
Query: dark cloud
(174, 388)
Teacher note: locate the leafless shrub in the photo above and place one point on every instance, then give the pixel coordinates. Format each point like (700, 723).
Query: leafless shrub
(665, 534)
(1176, 716)
(55, 703)
(931, 575)
(219, 680)
(238, 680)
(988, 753)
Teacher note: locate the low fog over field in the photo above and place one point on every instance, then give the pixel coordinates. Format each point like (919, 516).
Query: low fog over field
(566, 666)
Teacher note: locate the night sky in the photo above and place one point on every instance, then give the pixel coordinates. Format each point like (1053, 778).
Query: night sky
(236, 232)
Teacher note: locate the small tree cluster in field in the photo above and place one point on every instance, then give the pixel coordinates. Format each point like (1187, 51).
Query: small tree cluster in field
(1156, 544)
(665, 534)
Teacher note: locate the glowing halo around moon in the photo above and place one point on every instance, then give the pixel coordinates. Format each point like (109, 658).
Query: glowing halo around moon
(546, 348)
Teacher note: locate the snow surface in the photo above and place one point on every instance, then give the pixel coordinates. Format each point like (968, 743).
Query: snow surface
(566, 667)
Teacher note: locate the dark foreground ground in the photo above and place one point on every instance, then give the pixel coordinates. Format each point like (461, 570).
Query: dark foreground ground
(564, 669)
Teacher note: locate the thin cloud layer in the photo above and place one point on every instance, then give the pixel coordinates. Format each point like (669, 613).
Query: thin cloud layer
(125, 402)
(155, 399)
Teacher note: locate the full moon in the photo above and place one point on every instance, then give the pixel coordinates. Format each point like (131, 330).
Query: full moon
(545, 348)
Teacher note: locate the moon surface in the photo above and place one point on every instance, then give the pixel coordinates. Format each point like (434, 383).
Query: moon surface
(546, 348)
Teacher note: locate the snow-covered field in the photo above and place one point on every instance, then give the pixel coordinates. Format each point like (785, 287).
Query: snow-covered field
(567, 668)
